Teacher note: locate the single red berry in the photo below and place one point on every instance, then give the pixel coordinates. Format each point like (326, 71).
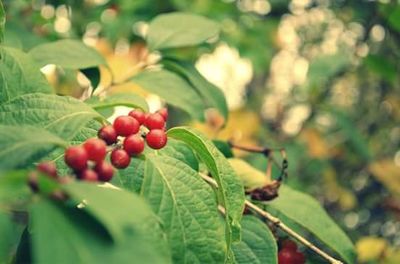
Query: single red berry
(164, 113)
(126, 125)
(48, 168)
(108, 134)
(289, 244)
(120, 158)
(88, 175)
(134, 144)
(76, 158)
(286, 256)
(96, 149)
(138, 115)
(156, 138)
(299, 258)
(155, 121)
(104, 170)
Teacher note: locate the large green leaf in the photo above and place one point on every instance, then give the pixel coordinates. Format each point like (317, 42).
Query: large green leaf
(230, 189)
(118, 99)
(2, 21)
(131, 178)
(8, 239)
(22, 145)
(62, 234)
(211, 94)
(258, 244)
(173, 89)
(306, 211)
(175, 30)
(67, 53)
(19, 75)
(188, 209)
(181, 151)
(64, 116)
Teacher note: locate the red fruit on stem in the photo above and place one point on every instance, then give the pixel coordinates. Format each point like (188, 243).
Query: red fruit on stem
(88, 175)
(286, 256)
(138, 115)
(156, 138)
(104, 170)
(126, 125)
(120, 158)
(134, 145)
(96, 149)
(155, 121)
(76, 158)
(164, 113)
(108, 134)
(48, 168)
(289, 244)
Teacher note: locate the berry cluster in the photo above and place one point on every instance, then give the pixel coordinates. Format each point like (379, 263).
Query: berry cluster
(289, 253)
(125, 138)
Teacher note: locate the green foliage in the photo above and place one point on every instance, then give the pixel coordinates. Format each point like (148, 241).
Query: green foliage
(173, 189)
(212, 95)
(63, 116)
(2, 21)
(72, 54)
(230, 194)
(307, 212)
(258, 244)
(19, 75)
(168, 31)
(172, 89)
(22, 145)
(118, 99)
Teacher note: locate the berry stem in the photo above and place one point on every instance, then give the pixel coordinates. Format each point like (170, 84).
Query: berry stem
(278, 223)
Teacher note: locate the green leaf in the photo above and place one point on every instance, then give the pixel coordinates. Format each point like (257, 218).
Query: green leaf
(382, 66)
(131, 178)
(118, 99)
(180, 151)
(93, 74)
(224, 147)
(8, 236)
(73, 236)
(177, 29)
(22, 145)
(14, 190)
(188, 209)
(2, 21)
(64, 116)
(306, 211)
(19, 75)
(230, 190)
(172, 89)
(250, 176)
(67, 53)
(258, 244)
(212, 95)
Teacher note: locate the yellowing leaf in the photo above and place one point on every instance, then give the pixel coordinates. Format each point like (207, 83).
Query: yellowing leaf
(344, 197)
(251, 177)
(370, 248)
(316, 144)
(387, 173)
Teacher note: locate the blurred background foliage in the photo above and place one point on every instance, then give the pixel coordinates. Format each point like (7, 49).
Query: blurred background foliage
(319, 78)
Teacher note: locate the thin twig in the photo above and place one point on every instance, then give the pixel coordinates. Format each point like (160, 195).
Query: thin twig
(278, 223)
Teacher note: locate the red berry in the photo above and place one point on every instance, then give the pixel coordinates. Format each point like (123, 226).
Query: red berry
(134, 144)
(48, 168)
(126, 125)
(155, 121)
(299, 258)
(289, 244)
(120, 158)
(104, 170)
(76, 158)
(138, 115)
(96, 149)
(156, 138)
(286, 256)
(164, 113)
(88, 175)
(108, 134)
